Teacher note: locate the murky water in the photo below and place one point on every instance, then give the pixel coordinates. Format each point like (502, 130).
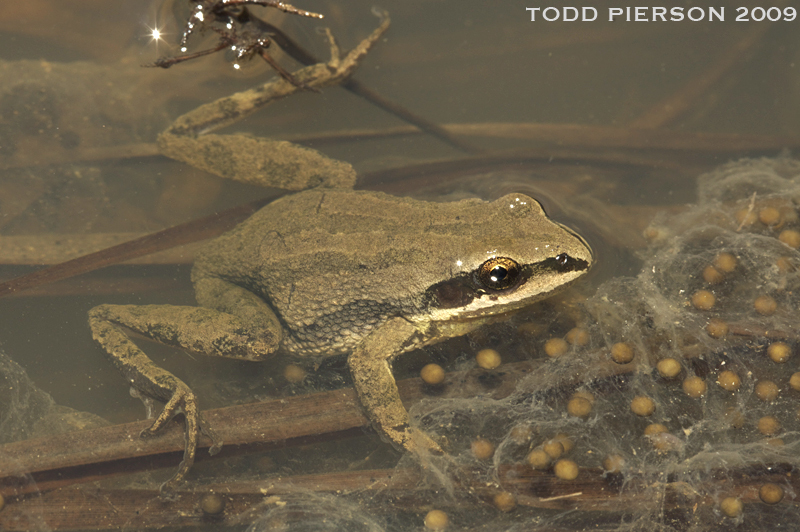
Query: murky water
(608, 123)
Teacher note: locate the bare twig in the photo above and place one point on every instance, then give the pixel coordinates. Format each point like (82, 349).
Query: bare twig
(193, 231)
(304, 57)
(65, 459)
(564, 136)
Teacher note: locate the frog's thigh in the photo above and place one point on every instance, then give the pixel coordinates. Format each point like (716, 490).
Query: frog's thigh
(370, 365)
(252, 317)
(197, 329)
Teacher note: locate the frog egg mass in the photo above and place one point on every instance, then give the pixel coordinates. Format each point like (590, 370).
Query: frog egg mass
(681, 375)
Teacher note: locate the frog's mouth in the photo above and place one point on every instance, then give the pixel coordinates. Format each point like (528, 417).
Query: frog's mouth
(466, 297)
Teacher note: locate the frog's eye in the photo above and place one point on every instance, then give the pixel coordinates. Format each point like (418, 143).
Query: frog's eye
(499, 273)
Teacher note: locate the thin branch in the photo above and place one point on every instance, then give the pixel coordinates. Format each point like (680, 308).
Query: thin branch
(199, 229)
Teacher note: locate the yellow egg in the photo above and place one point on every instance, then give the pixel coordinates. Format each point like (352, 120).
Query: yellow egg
(767, 391)
(790, 237)
(725, 262)
(488, 358)
(504, 501)
(765, 305)
(538, 459)
(703, 300)
(654, 428)
(769, 216)
(553, 448)
(770, 493)
(779, 352)
(695, 387)
(785, 265)
(521, 434)
(436, 520)
(555, 347)
(660, 438)
(432, 374)
(212, 504)
(642, 406)
(794, 381)
(565, 441)
(712, 275)
(566, 469)
(652, 234)
(577, 336)
(668, 368)
(717, 328)
(729, 380)
(482, 449)
(769, 426)
(585, 394)
(734, 418)
(621, 353)
(579, 407)
(294, 373)
(731, 506)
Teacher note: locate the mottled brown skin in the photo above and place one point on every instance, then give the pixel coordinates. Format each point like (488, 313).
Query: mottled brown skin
(333, 271)
(327, 272)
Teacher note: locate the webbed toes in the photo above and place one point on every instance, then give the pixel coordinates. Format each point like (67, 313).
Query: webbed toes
(183, 400)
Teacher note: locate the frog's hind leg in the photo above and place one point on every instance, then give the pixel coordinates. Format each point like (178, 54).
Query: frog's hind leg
(244, 335)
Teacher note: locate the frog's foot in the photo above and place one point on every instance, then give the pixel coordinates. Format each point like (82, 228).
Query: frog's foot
(184, 400)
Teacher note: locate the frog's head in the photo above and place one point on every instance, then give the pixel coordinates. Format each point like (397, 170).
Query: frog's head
(514, 255)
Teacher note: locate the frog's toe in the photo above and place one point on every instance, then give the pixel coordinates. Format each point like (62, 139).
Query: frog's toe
(184, 400)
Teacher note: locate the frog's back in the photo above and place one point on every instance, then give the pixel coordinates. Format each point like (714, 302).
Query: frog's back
(332, 264)
(335, 264)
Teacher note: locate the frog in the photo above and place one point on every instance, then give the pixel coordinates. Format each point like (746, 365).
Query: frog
(331, 270)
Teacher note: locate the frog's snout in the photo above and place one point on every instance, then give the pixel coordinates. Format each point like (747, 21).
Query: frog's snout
(581, 250)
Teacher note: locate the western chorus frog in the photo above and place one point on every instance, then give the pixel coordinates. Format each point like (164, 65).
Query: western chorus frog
(332, 271)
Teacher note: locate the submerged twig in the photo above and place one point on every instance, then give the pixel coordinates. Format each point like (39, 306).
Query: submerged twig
(304, 57)
(565, 136)
(65, 459)
(400, 489)
(185, 233)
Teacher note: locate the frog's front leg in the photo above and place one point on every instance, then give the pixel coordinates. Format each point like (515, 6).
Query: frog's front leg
(370, 366)
(240, 325)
